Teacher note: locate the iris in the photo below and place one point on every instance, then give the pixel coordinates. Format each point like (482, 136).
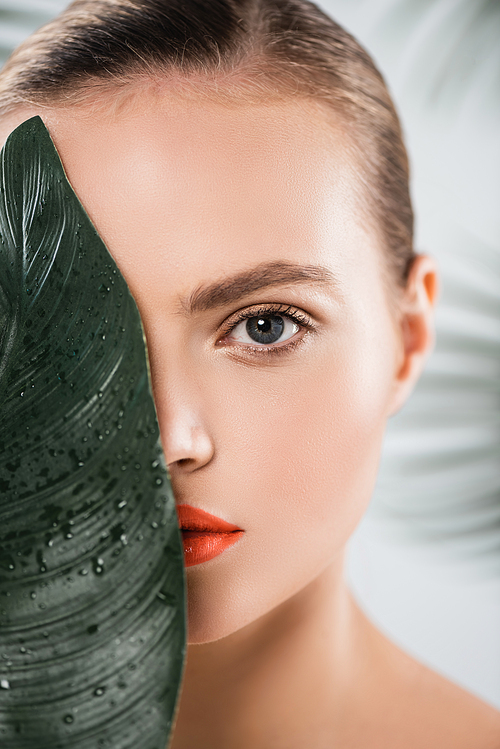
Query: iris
(265, 329)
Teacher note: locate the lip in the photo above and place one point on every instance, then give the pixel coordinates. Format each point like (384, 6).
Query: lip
(204, 536)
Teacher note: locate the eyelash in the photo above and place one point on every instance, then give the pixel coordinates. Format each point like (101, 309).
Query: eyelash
(284, 310)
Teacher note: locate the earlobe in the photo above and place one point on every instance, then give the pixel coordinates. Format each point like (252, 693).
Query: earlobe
(416, 327)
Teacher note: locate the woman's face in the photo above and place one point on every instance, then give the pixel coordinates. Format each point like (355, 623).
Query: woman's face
(217, 215)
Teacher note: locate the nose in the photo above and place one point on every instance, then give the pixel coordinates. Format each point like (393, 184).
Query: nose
(187, 446)
(185, 437)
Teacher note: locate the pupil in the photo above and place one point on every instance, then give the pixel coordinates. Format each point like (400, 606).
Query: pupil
(265, 329)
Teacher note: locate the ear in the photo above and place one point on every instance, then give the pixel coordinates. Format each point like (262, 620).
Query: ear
(415, 327)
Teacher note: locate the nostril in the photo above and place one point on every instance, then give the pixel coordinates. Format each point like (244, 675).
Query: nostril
(186, 447)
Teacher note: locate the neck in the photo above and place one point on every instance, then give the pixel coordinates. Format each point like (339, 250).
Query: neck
(284, 674)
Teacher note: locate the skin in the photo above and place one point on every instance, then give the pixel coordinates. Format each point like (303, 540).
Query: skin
(286, 445)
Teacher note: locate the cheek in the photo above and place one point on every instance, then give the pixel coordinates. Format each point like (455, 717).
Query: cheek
(304, 450)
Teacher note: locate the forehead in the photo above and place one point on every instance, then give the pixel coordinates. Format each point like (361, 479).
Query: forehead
(219, 187)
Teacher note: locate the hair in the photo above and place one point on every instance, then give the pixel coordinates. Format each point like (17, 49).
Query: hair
(241, 50)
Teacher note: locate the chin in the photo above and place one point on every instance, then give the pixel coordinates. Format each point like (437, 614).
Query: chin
(202, 632)
(221, 605)
(205, 629)
(210, 618)
(225, 598)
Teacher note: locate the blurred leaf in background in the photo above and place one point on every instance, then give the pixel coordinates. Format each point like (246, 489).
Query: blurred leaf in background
(19, 18)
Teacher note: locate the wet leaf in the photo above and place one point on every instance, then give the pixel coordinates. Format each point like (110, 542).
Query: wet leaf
(92, 587)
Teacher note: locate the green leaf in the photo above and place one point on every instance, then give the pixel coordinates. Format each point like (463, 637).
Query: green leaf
(92, 582)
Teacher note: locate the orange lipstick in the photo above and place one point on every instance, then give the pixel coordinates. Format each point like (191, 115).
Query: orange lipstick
(205, 536)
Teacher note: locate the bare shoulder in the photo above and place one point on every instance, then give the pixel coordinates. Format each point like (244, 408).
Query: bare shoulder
(416, 708)
(441, 714)
(455, 713)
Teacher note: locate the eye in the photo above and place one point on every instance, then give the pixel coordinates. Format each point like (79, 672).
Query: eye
(264, 329)
(267, 329)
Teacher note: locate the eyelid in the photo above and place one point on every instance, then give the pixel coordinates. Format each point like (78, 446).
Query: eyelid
(289, 311)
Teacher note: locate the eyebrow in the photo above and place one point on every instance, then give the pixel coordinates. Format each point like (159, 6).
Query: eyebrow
(262, 276)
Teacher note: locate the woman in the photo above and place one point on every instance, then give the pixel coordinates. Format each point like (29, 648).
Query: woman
(243, 162)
